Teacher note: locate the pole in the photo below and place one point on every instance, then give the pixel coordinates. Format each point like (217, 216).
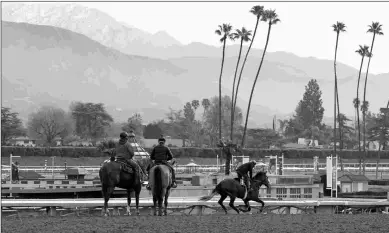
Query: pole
(10, 175)
(217, 163)
(52, 166)
(336, 176)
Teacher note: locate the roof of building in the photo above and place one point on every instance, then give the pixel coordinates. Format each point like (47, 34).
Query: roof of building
(353, 178)
(29, 175)
(138, 149)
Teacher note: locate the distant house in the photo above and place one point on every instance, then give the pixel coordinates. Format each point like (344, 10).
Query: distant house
(171, 142)
(308, 142)
(353, 183)
(75, 173)
(23, 141)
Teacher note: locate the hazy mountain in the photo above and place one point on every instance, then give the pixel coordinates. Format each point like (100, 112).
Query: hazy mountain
(45, 64)
(90, 22)
(70, 66)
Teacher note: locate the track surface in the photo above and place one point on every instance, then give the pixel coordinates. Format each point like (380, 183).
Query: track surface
(213, 223)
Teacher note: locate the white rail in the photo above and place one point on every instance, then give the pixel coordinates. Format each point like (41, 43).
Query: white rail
(383, 167)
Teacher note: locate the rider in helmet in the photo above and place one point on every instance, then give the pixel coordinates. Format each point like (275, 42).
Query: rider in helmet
(125, 152)
(245, 168)
(162, 154)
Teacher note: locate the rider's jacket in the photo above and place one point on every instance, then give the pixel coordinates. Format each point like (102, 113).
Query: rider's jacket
(161, 153)
(124, 150)
(246, 168)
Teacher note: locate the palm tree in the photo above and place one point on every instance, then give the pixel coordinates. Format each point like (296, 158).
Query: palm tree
(338, 27)
(258, 12)
(244, 36)
(363, 51)
(271, 17)
(225, 31)
(376, 29)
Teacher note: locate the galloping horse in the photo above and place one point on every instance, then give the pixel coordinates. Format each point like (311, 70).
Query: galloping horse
(112, 175)
(160, 180)
(232, 188)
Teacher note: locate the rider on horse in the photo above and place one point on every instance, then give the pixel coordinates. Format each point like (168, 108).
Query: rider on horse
(125, 153)
(245, 168)
(162, 154)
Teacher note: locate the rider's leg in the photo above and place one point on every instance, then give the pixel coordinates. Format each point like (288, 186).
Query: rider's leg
(246, 180)
(174, 184)
(148, 175)
(239, 176)
(136, 168)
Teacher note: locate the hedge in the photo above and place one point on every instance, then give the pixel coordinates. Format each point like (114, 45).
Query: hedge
(78, 152)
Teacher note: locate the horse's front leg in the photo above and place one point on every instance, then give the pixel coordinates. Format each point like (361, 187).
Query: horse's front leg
(256, 199)
(247, 204)
(232, 200)
(128, 202)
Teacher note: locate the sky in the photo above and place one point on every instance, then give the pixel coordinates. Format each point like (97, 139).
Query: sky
(305, 28)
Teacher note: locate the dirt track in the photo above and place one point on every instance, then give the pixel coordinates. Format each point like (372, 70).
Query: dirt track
(210, 223)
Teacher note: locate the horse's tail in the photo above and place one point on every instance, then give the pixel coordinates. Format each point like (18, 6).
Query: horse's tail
(104, 175)
(213, 193)
(158, 187)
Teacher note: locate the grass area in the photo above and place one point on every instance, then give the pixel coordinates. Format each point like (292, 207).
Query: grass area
(214, 223)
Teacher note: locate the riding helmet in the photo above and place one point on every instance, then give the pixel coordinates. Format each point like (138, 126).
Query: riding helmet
(161, 139)
(123, 135)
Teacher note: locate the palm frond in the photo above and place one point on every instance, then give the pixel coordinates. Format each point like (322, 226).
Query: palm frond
(257, 11)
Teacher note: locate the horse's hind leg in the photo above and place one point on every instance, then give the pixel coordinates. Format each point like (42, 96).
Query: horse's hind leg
(160, 201)
(107, 192)
(155, 201)
(128, 202)
(232, 200)
(137, 194)
(166, 202)
(222, 198)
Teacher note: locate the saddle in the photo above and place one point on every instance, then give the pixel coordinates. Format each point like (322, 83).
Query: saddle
(241, 182)
(125, 167)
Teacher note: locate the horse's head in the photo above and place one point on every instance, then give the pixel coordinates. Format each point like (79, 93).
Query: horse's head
(261, 179)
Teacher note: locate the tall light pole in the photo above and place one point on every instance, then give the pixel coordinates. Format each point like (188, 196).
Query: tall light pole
(52, 165)
(10, 172)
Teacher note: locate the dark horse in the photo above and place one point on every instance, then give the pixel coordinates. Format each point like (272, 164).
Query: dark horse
(160, 183)
(232, 188)
(112, 175)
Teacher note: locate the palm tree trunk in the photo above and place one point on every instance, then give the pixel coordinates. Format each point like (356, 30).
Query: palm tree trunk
(359, 126)
(220, 91)
(364, 100)
(244, 63)
(255, 82)
(337, 102)
(335, 93)
(233, 91)
(220, 95)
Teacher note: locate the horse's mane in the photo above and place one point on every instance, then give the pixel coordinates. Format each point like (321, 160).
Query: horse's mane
(259, 174)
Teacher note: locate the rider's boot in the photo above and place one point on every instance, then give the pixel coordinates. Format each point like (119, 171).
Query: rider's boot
(148, 184)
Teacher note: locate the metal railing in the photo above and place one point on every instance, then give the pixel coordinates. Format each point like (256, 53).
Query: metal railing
(205, 168)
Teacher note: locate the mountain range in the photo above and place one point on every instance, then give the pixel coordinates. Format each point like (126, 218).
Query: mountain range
(60, 53)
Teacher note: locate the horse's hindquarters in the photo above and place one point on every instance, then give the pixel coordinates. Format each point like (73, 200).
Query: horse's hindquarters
(165, 178)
